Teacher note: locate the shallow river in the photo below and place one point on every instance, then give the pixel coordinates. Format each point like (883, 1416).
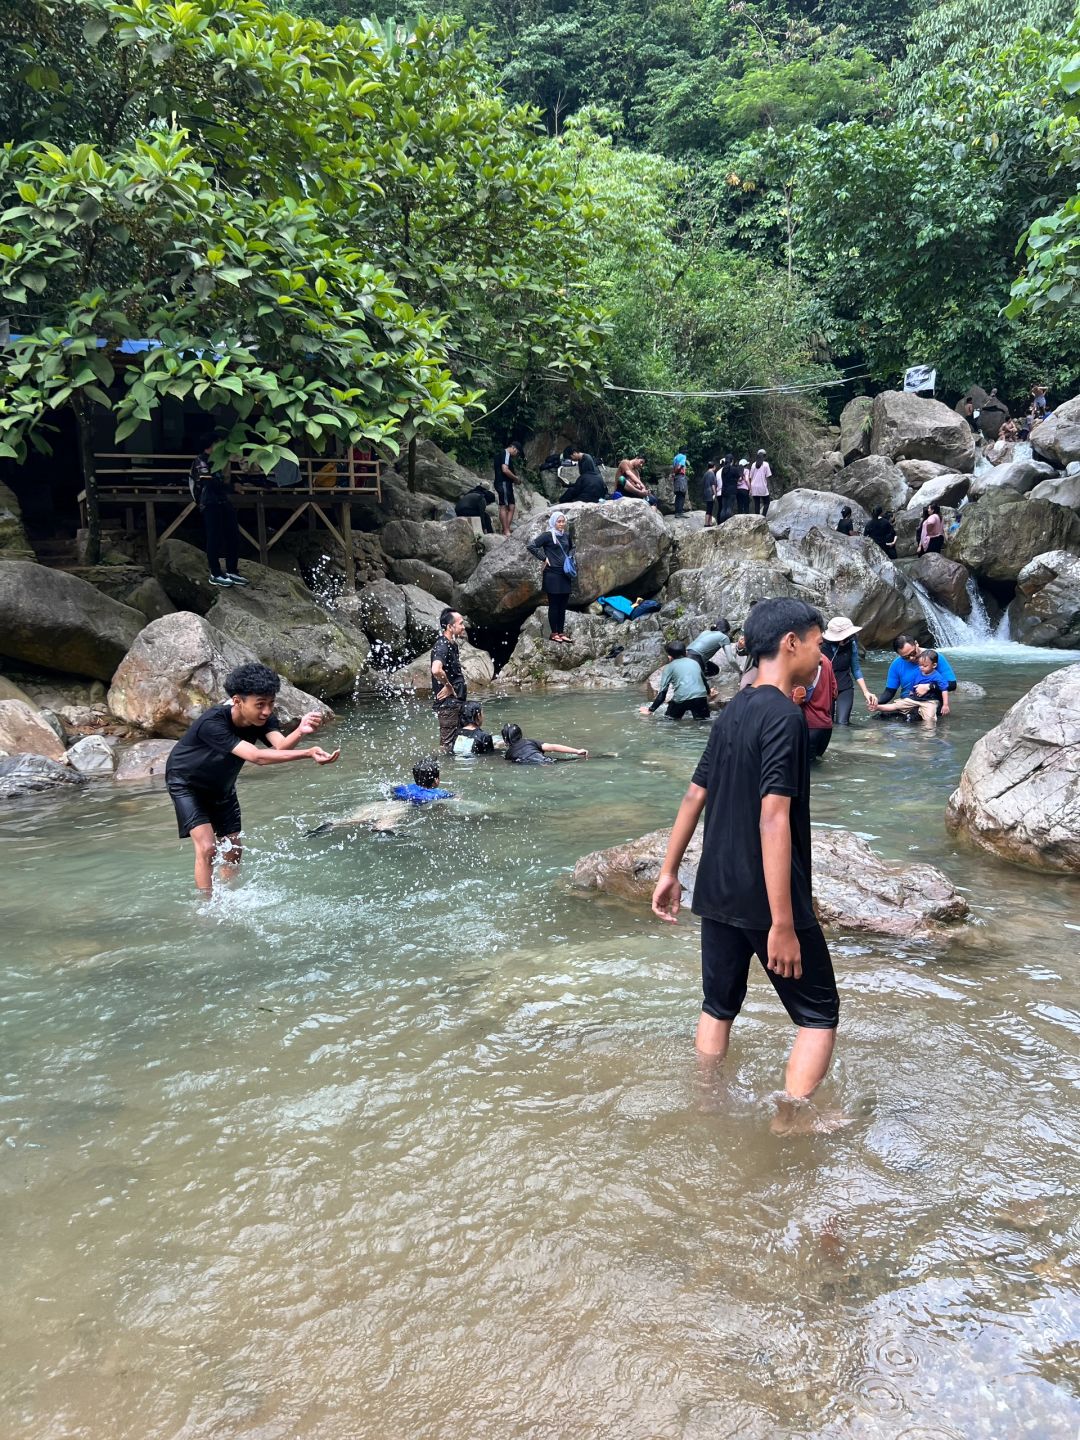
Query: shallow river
(400, 1139)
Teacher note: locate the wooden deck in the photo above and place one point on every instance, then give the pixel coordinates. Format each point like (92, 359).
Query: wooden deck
(144, 484)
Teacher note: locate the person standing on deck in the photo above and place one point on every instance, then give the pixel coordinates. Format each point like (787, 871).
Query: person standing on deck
(210, 491)
(448, 689)
(753, 887)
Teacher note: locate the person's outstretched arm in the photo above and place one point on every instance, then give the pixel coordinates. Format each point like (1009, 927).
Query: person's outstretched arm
(667, 893)
(309, 723)
(564, 750)
(254, 756)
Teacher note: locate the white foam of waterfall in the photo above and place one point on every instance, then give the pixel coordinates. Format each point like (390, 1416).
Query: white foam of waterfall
(950, 631)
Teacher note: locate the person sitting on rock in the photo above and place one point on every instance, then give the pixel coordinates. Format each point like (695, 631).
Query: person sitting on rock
(473, 505)
(628, 480)
(520, 751)
(472, 738)
(704, 646)
(203, 766)
(684, 676)
(589, 486)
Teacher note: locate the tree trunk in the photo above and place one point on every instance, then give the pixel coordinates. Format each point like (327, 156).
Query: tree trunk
(412, 463)
(84, 421)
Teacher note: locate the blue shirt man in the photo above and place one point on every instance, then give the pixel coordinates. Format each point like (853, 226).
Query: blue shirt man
(904, 673)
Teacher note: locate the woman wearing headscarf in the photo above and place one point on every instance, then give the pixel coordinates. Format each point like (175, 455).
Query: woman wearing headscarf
(555, 548)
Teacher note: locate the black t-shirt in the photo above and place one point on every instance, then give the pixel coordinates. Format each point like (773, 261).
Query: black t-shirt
(729, 479)
(881, 531)
(203, 758)
(527, 752)
(447, 651)
(474, 501)
(503, 458)
(846, 526)
(758, 746)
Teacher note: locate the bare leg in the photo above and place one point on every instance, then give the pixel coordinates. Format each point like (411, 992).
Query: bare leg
(712, 1036)
(808, 1062)
(231, 852)
(205, 843)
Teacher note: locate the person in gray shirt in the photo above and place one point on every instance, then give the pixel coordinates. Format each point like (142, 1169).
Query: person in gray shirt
(682, 675)
(704, 646)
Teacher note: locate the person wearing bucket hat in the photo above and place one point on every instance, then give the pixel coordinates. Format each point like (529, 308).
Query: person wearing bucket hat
(838, 643)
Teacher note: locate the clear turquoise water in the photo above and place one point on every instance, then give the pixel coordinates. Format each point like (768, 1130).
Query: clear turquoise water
(400, 1138)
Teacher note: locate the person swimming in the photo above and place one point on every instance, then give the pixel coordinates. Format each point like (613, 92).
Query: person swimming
(384, 816)
(520, 751)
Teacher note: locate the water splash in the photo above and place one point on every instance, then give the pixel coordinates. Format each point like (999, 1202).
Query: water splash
(951, 631)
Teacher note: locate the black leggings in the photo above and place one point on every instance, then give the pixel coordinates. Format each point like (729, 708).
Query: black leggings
(761, 504)
(698, 708)
(557, 612)
(819, 743)
(842, 707)
(222, 538)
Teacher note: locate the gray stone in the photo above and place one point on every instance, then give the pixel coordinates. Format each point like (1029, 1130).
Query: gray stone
(945, 580)
(1058, 436)
(799, 511)
(1046, 610)
(60, 622)
(24, 775)
(447, 545)
(1019, 793)
(145, 760)
(1021, 476)
(742, 538)
(184, 575)
(856, 420)
(909, 427)
(25, 730)
(948, 488)
(176, 669)
(918, 472)
(874, 480)
(602, 654)
(92, 755)
(425, 577)
(853, 576)
(1062, 490)
(855, 891)
(823, 472)
(283, 624)
(14, 542)
(1002, 532)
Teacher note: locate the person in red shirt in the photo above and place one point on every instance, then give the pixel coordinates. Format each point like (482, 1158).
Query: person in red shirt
(817, 703)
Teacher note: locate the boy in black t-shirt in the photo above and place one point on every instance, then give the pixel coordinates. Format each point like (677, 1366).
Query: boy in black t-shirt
(201, 771)
(753, 882)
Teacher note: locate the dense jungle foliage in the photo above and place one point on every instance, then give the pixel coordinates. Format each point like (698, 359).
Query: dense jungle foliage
(382, 226)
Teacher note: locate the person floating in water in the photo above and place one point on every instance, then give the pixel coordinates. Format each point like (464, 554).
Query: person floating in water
(520, 751)
(384, 816)
(753, 888)
(201, 771)
(684, 676)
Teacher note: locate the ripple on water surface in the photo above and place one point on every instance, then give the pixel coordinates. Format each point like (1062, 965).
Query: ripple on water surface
(399, 1138)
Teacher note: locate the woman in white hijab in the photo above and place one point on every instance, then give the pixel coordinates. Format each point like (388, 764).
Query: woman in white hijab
(555, 547)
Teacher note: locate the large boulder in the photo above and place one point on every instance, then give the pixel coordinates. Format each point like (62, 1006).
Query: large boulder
(731, 592)
(424, 576)
(438, 474)
(60, 622)
(799, 511)
(503, 588)
(948, 488)
(856, 420)
(477, 667)
(176, 669)
(93, 755)
(944, 580)
(874, 480)
(24, 731)
(1058, 436)
(742, 538)
(281, 622)
(602, 654)
(621, 547)
(399, 620)
(422, 612)
(1019, 793)
(22, 775)
(1021, 476)
(145, 760)
(855, 891)
(1061, 490)
(447, 545)
(918, 472)
(910, 427)
(1046, 610)
(823, 472)
(184, 575)
(14, 542)
(1003, 532)
(853, 576)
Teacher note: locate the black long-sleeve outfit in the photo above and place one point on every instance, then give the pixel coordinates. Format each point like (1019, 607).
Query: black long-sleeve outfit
(555, 583)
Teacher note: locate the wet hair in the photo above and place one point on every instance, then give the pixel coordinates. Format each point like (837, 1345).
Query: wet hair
(252, 679)
(770, 620)
(724, 624)
(676, 649)
(425, 771)
(446, 617)
(470, 713)
(901, 642)
(930, 655)
(511, 734)
(845, 511)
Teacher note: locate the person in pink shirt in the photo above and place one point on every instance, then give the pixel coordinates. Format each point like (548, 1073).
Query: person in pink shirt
(760, 474)
(931, 532)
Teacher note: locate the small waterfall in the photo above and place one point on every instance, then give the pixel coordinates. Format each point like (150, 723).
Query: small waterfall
(949, 631)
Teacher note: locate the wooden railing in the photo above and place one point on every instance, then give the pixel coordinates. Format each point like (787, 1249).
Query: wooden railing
(355, 471)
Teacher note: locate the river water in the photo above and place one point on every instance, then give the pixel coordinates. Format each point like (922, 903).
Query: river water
(400, 1139)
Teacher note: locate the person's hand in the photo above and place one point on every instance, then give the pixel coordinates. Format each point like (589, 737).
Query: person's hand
(871, 702)
(712, 694)
(310, 722)
(785, 954)
(644, 710)
(922, 689)
(799, 694)
(445, 692)
(584, 754)
(666, 898)
(323, 757)
(945, 707)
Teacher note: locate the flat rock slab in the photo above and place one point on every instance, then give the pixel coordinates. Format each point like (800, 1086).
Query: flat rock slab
(855, 891)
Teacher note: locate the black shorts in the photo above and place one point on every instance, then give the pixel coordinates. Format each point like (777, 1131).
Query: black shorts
(204, 807)
(811, 1002)
(504, 489)
(698, 708)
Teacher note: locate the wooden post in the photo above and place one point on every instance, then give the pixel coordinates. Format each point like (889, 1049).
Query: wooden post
(412, 463)
(151, 530)
(84, 423)
(260, 530)
(346, 536)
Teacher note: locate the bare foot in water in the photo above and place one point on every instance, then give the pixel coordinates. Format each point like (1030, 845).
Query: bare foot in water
(802, 1117)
